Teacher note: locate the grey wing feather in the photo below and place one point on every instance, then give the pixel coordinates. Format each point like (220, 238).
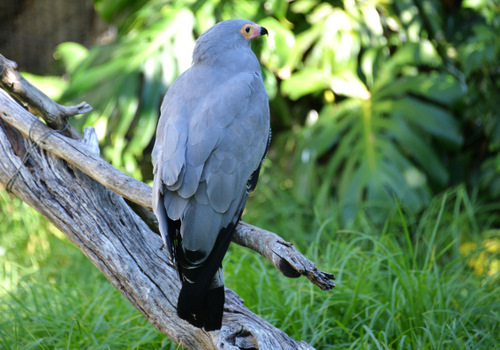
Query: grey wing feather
(198, 152)
(190, 180)
(206, 226)
(201, 194)
(207, 171)
(175, 205)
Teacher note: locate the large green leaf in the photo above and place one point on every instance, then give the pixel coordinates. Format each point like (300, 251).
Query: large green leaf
(431, 118)
(305, 82)
(439, 87)
(71, 54)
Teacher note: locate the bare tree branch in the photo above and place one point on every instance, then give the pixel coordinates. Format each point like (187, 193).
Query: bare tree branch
(77, 154)
(282, 254)
(55, 115)
(111, 234)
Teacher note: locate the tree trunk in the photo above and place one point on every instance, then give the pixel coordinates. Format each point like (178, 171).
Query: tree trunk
(117, 240)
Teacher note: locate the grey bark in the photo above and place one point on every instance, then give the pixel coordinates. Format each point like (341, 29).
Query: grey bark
(55, 115)
(67, 182)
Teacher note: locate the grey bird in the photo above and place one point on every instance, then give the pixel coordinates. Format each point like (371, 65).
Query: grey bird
(212, 137)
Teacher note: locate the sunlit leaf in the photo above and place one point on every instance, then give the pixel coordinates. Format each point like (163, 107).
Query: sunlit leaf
(280, 44)
(305, 82)
(348, 84)
(71, 54)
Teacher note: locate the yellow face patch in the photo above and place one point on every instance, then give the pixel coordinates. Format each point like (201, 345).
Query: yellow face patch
(250, 31)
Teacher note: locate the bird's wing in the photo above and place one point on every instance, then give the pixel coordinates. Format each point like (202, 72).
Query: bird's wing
(169, 157)
(204, 158)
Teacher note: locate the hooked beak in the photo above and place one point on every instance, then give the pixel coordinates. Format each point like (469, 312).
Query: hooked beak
(257, 31)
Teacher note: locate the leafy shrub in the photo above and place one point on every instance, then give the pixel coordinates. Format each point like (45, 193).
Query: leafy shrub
(370, 100)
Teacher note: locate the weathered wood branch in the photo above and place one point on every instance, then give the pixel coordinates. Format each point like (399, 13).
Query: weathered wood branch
(55, 115)
(79, 155)
(282, 254)
(54, 181)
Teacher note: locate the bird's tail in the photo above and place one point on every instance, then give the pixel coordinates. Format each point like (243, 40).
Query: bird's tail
(201, 300)
(202, 303)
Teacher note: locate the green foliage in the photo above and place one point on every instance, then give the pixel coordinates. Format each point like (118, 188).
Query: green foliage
(388, 100)
(479, 56)
(386, 112)
(370, 100)
(387, 143)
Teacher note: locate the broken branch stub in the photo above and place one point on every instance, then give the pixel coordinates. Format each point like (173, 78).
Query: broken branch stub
(54, 114)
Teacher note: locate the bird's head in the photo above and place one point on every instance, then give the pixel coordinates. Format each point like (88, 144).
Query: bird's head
(226, 35)
(250, 31)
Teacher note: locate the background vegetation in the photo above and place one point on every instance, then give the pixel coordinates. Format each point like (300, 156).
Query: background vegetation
(384, 168)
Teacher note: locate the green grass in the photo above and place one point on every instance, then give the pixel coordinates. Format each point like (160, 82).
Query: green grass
(52, 297)
(405, 284)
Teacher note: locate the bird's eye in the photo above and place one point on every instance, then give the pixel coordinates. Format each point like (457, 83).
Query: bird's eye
(247, 31)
